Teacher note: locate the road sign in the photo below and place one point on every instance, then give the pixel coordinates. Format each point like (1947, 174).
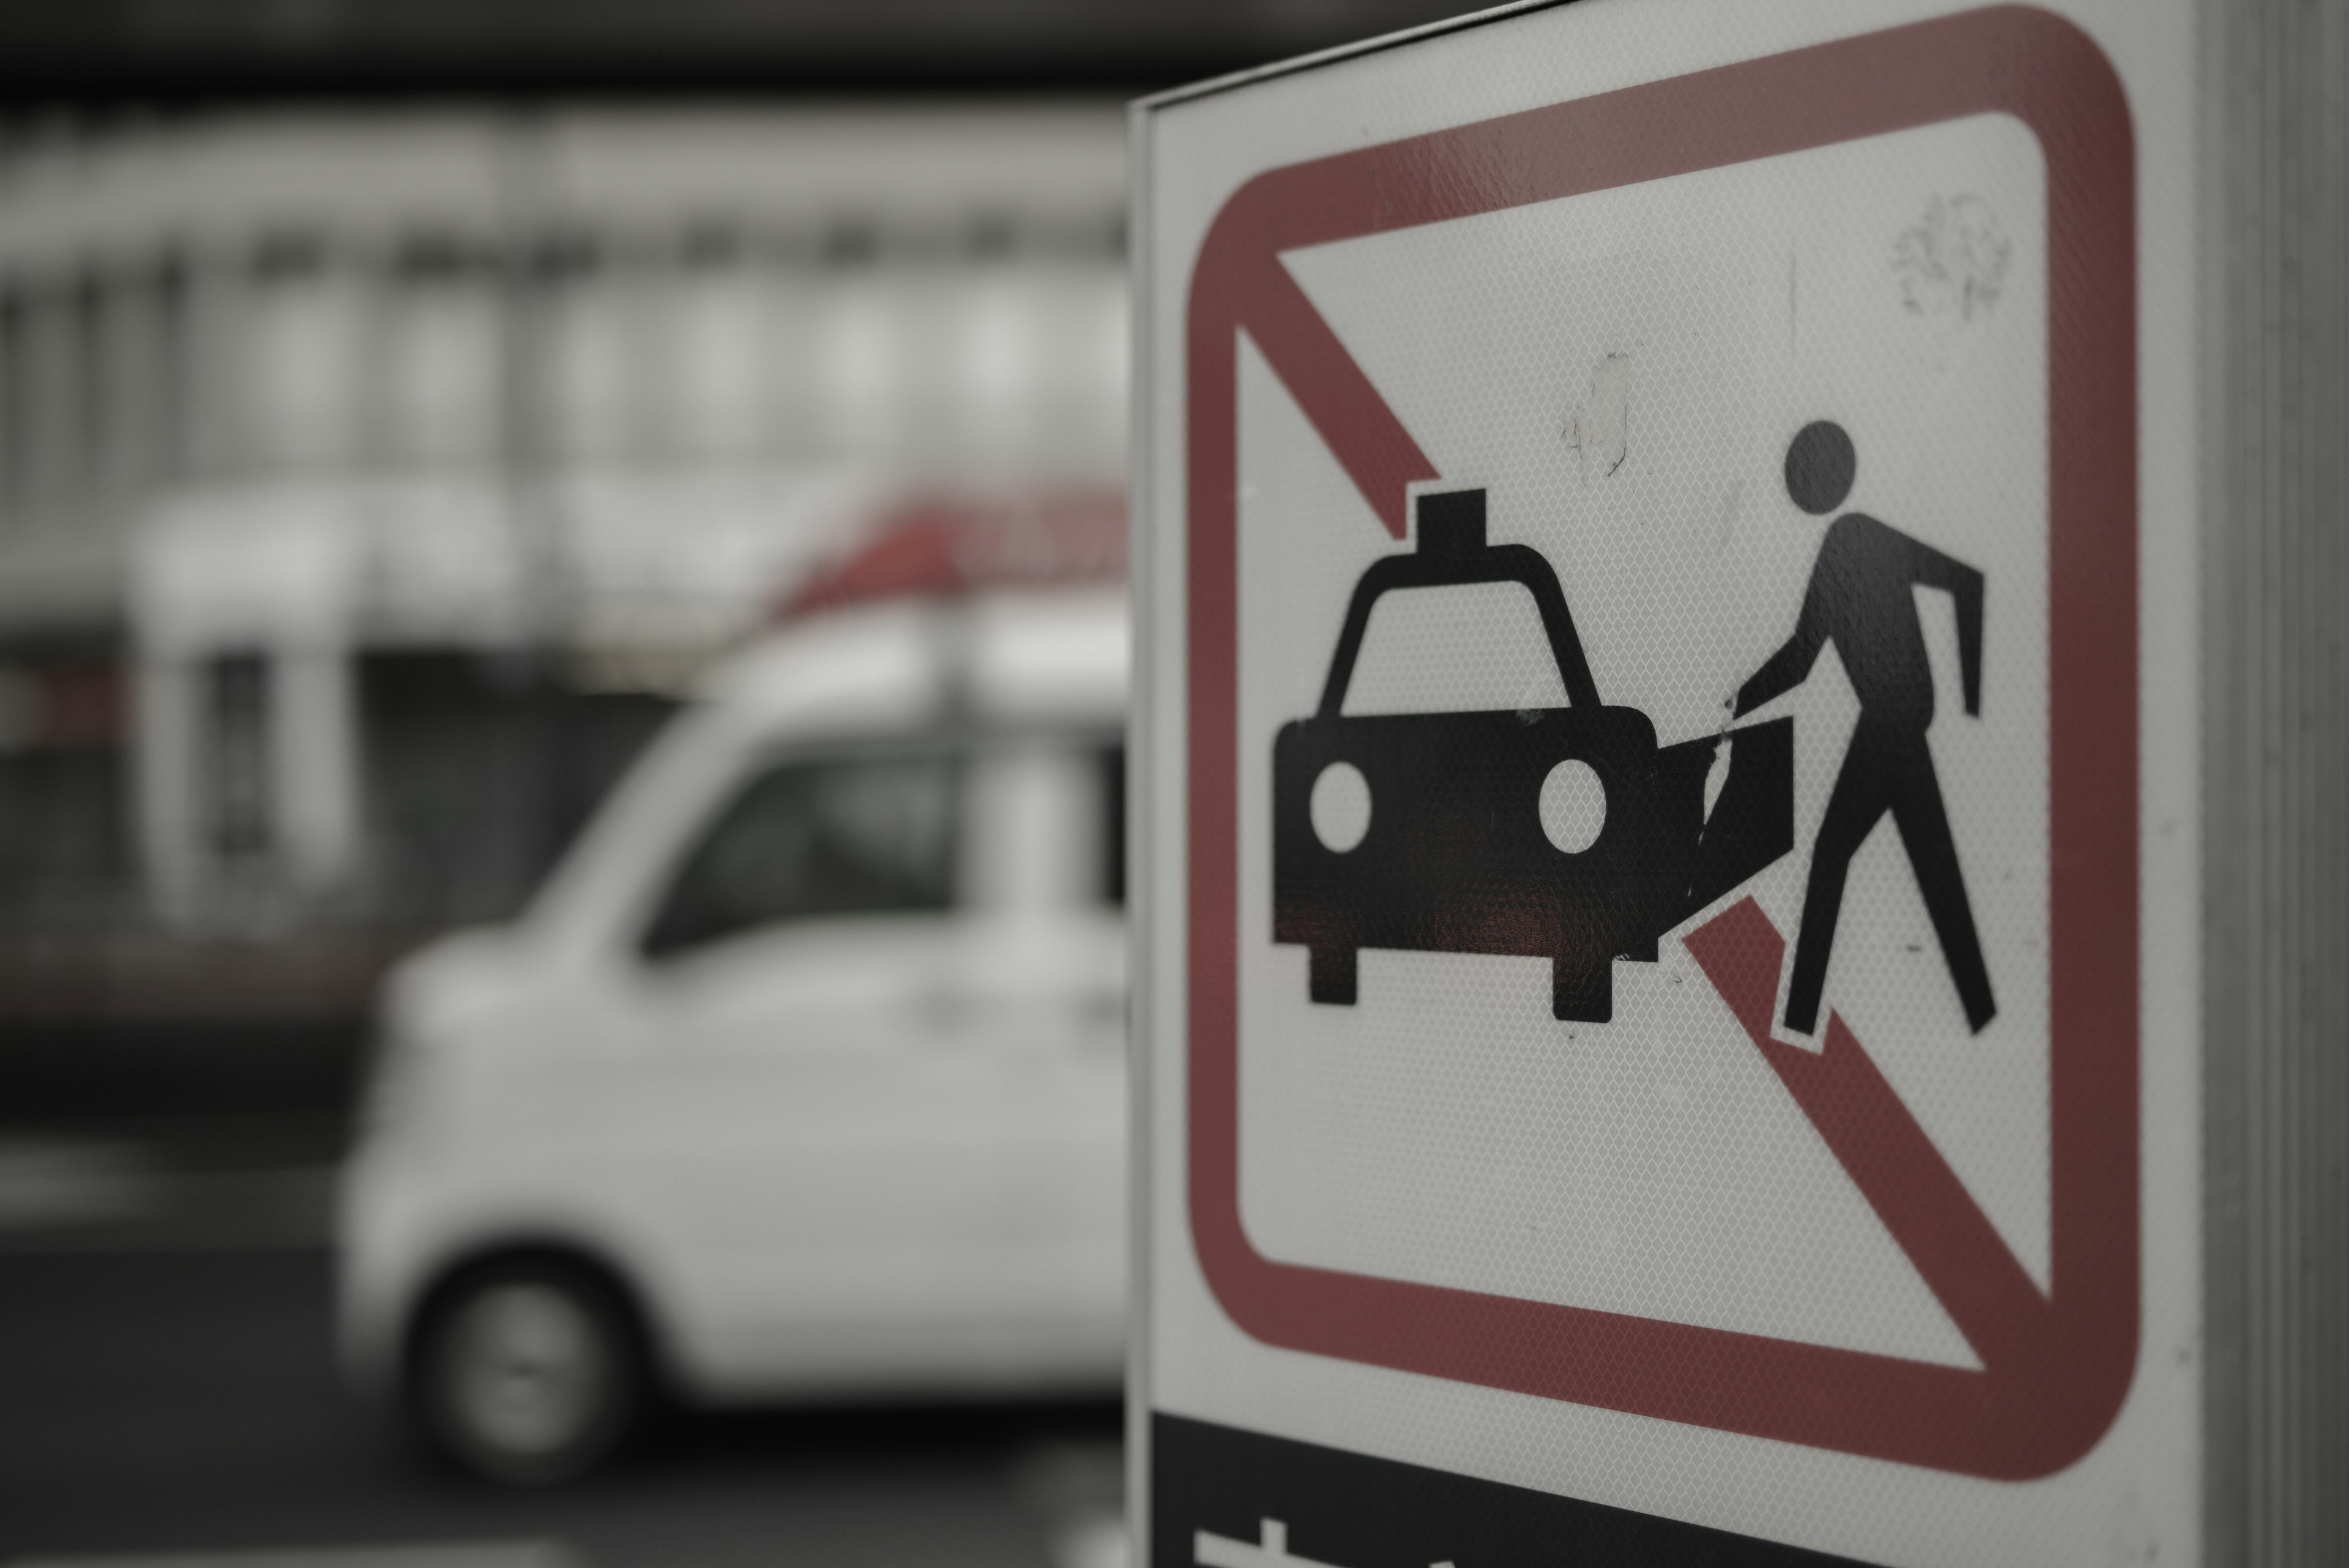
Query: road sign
(1649, 1029)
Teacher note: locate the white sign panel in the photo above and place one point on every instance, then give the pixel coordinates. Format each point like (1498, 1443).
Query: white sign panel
(1665, 994)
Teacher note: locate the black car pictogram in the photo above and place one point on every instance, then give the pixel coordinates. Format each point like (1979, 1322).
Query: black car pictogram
(1456, 857)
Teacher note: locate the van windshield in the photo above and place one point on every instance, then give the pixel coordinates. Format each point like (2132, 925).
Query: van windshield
(820, 839)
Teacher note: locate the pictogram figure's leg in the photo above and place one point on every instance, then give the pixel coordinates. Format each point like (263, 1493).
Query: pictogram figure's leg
(1333, 975)
(1582, 991)
(1925, 830)
(1861, 794)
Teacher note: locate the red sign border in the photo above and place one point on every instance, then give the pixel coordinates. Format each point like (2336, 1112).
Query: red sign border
(2047, 1398)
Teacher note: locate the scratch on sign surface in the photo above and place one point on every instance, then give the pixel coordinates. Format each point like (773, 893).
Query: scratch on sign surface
(1599, 431)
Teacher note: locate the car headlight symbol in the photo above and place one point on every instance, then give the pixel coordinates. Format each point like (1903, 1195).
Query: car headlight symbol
(1340, 807)
(1573, 805)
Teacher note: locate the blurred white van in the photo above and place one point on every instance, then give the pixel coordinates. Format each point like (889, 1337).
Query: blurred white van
(803, 1077)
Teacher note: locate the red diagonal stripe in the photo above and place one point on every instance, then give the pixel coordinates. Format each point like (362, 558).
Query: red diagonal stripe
(1356, 424)
(1960, 1256)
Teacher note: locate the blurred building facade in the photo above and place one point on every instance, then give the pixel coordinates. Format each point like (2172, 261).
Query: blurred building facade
(368, 480)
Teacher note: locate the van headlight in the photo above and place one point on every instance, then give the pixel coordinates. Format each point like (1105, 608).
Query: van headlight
(391, 1105)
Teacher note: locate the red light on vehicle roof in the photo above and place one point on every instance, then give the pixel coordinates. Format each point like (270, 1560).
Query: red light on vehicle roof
(943, 545)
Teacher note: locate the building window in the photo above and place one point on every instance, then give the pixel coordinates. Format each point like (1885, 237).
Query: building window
(240, 798)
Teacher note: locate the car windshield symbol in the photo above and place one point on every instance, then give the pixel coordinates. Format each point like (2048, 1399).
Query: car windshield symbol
(1558, 833)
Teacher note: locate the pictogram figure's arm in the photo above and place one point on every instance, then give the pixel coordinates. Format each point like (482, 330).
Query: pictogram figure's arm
(1785, 669)
(1932, 569)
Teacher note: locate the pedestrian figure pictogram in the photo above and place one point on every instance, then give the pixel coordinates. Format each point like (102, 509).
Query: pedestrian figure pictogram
(1859, 599)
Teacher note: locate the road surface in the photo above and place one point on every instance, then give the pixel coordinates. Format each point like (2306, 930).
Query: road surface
(158, 1398)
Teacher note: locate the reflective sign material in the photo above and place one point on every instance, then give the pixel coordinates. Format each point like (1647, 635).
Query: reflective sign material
(1648, 738)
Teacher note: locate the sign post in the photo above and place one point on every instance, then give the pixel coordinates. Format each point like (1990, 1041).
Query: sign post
(1669, 983)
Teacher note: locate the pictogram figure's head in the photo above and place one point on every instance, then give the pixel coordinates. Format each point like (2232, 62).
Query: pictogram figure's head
(1819, 467)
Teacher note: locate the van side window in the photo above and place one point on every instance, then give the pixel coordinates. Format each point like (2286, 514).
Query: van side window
(848, 836)
(1110, 769)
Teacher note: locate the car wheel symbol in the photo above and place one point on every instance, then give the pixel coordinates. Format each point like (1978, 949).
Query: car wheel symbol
(1573, 806)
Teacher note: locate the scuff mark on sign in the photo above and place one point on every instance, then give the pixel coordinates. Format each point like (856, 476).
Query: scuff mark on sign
(1599, 431)
(1954, 261)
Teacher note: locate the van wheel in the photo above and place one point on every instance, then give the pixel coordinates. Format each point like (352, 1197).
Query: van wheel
(527, 1372)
